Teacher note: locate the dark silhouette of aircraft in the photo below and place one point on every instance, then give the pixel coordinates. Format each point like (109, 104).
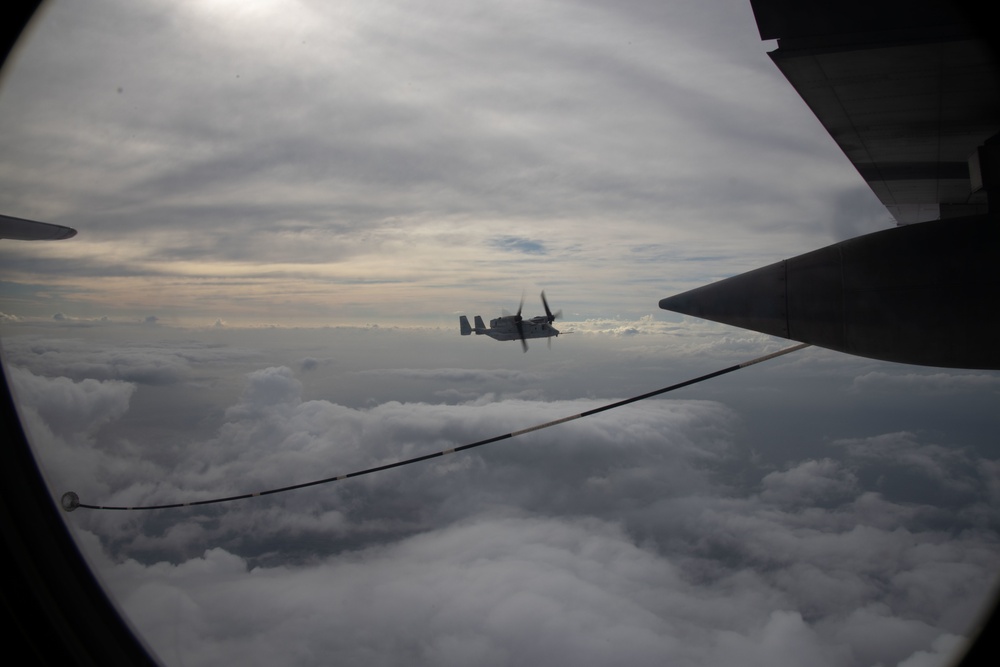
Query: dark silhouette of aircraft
(515, 327)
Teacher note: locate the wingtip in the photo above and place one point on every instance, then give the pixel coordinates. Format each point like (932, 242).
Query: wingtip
(29, 230)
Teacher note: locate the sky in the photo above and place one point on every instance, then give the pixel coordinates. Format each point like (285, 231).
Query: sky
(283, 208)
(333, 163)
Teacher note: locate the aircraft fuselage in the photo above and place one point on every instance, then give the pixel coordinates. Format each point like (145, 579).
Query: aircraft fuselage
(505, 328)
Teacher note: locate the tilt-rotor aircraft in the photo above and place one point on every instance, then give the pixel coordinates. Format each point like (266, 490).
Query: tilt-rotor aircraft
(910, 92)
(514, 327)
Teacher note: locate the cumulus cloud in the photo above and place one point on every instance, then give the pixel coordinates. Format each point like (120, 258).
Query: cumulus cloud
(623, 535)
(511, 587)
(272, 437)
(942, 650)
(267, 389)
(145, 362)
(926, 383)
(949, 467)
(63, 418)
(501, 590)
(71, 408)
(665, 335)
(646, 324)
(456, 374)
(811, 483)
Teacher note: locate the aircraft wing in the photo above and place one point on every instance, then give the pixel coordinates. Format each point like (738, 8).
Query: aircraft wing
(910, 91)
(906, 88)
(29, 230)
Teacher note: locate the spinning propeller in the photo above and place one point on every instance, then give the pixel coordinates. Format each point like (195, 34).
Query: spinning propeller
(520, 327)
(549, 318)
(548, 313)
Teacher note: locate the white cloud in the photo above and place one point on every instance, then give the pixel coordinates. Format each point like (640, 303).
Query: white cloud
(457, 374)
(619, 535)
(810, 483)
(117, 352)
(926, 383)
(505, 590)
(62, 420)
(71, 409)
(942, 650)
(948, 466)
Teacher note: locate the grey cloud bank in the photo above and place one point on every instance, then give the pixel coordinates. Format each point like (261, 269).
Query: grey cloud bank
(662, 532)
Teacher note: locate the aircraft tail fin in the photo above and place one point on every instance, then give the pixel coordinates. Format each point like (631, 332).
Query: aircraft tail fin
(479, 324)
(463, 321)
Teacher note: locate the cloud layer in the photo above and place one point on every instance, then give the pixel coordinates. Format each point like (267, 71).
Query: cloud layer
(651, 534)
(327, 164)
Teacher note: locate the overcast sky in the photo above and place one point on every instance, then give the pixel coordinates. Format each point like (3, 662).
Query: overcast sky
(332, 163)
(282, 210)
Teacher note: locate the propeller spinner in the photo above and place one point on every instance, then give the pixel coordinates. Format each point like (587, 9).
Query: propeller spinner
(548, 313)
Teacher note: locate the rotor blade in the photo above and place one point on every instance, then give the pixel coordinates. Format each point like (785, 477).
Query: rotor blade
(519, 307)
(520, 334)
(548, 313)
